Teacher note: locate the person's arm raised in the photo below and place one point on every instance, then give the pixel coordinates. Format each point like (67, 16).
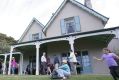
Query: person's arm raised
(99, 59)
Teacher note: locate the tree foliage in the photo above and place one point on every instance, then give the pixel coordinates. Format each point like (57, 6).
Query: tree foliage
(5, 43)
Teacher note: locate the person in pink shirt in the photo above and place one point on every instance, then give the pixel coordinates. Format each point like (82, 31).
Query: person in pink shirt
(109, 58)
(13, 65)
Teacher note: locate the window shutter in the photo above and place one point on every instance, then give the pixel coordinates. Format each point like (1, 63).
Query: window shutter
(63, 27)
(30, 37)
(77, 23)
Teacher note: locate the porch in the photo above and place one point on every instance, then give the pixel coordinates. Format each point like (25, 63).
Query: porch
(86, 41)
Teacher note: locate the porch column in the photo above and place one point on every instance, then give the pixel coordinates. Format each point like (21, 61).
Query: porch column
(10, 59)
(117, 33)
(21, 64)
(73, 65)
(37, 58)
(4, 66)
(71, 42)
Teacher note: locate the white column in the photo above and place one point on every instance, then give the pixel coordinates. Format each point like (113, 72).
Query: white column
(37, 59)
(10, 59)
(21, 64)
(4, 66)
(117, 33)
(71, 42)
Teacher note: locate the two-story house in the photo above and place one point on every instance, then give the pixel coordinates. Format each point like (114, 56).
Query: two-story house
(73, 26)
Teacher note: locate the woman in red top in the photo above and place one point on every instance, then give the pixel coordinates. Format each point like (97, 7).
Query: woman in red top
(48, 66)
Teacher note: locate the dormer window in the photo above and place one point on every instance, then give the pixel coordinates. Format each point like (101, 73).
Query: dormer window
(70, 25)
(35, 36)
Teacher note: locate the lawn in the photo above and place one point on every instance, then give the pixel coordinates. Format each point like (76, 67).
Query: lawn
(42, 77)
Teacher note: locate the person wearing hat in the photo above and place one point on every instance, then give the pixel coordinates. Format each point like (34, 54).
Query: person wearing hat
(64, 70)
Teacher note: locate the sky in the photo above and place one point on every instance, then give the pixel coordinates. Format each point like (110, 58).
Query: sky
(15, 15)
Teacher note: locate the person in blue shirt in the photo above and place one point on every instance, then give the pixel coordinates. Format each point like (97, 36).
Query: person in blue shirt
(64, 70)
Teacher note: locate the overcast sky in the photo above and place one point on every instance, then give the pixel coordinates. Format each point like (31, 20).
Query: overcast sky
(15, 15)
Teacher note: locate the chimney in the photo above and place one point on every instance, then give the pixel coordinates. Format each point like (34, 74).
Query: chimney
(88, 4)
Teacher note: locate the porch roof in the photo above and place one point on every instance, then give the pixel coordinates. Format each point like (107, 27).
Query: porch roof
(74, 34)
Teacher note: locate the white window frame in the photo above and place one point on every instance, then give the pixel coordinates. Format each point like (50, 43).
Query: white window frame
(67, 21)
(35, 36)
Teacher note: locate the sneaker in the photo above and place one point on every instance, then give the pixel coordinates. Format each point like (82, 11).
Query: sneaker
(64, 78)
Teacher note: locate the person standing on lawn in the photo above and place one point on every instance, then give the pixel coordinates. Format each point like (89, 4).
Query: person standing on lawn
(13, 65)
(110, 59)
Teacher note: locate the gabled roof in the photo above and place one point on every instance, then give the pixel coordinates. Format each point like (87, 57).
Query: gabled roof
(91, 11)
(29, 26)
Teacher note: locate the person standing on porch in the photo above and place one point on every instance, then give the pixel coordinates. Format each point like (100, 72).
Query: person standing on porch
(44, 62)
(73, 62)
(13, 65)
(110, 58)
(1, 66)
(56, 62)
(48, 66)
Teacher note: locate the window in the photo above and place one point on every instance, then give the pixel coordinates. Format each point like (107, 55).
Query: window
(35, 36)
(70, 25)
(84, 60)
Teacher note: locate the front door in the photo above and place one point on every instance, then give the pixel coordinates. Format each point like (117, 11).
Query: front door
(84, 62)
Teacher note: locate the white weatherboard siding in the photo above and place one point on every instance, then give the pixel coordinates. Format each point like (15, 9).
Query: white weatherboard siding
(88, 22)
(35, 28)
(94, 49)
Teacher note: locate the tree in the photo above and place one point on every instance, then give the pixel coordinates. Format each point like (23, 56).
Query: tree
(5, 43)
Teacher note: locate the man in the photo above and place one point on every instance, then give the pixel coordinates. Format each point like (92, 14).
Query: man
(44, 62)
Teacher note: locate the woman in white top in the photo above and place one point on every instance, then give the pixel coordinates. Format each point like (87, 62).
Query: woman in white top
(73, 62)
(44, 63)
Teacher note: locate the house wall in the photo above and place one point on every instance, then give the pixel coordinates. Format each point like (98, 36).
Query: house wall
(94, 49)
(88, 22)
(57, 48)
(114, 45)
(26, 58)
(35, 28)
(98, 67)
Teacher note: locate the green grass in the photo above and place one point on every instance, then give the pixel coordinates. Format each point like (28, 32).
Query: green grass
(42, 77)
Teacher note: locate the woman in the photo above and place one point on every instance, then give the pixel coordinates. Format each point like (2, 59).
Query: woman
(109, 58)
(48, 66)
(13, 65)
(44, 62)
(73, 61)
(64, 70)
(56, 62)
